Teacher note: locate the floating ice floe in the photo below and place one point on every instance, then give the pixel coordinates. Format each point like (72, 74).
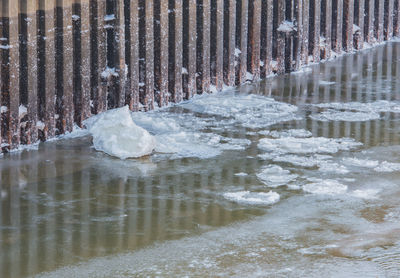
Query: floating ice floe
(248, 110)
(345, 116)
(332, 167)
(388, 167)
(368, 194)
(325, 187)
(364, 163)
(241, 174)
(298, 133)
(312, 145)
(253, 198)
(326, 83)
(274, 176)
(115, 133)
(376, 107)
(302, 161)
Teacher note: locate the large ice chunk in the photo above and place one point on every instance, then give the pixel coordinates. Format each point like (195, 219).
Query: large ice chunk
(115, 133)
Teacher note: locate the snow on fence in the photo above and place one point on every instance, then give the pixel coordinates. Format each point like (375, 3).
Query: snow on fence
(64, 60)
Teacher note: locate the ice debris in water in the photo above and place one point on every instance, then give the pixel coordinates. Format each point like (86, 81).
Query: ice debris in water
(248, 110)
(302, 161)
(312, 145)
(325, 187)
(364, 163)
(388, 167)
(376, 107)
(241, 174)
(298, 133)
(345, 116)
(253, 198)
(365, 193)
(332, 167)
(181, 136)
(274, 176)
(115, 133)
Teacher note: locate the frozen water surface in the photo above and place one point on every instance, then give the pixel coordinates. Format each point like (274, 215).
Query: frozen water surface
(251, 182)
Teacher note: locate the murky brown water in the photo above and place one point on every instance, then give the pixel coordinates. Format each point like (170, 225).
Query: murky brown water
(74, 212)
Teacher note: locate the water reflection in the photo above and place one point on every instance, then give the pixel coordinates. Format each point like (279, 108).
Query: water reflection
(66, 203)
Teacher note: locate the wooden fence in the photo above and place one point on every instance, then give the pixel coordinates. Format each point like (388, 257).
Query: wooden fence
(64, 60)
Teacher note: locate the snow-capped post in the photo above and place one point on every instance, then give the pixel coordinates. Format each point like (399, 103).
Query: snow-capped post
(305, 27)
(101, 82)
(32, 70)
(379, 11)
(369, 20)
(388, 19)
(359, 24)
(396, 19)
(280, 35)
(348, 22)
(230, 43)
(133, 87)
(64, 74)
(298, 16)
(244, 13)
(254, 38)
(326, 25)
(189, 48)
(11, 93)
(315, 29)
(266, 33)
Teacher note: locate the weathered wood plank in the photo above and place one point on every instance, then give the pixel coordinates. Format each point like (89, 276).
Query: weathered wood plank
(149, 98)
(230, 25)
(315, 21)
(219, 41)
(369, 21)
(178, 90)
(388, 19)
(267, 20)
(337, 25)
(32, 34)
(359, 22)
(396, 18)
(379, 12)
(348, 21)
(243, 42)
(65, 93)
(254, 39)
(133, 94)
(280, 44)
(191, 67)
(14, 74)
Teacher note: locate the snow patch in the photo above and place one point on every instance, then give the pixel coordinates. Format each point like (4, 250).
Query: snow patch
(287, 27)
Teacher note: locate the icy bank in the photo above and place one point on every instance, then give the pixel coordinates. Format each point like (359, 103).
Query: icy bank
(115, 133)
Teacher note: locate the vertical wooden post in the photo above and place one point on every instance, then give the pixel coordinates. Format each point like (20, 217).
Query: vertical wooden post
(315, 17)
(326, 28)
(359, 22)
(164, 53)
(379, 11)
(348, 21)
(298, 18)
(191, 67)
(32, 35)
(12, 13)
(178, 91)
(205, 64)
(65, 94)
(280, 44)
(267, 36)
(121, 62)
(388, 19)
(219, 66)
(369, 20)
(243, 42)
(305, 27)
(99, 32)
(149, 98)
(133, 94)
(2, 79)
(255, 37)
(337, 22)
(396, 19)
(230, 44)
